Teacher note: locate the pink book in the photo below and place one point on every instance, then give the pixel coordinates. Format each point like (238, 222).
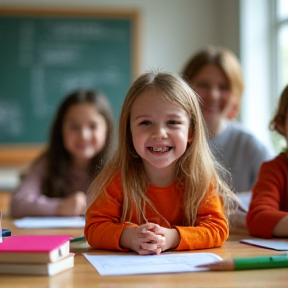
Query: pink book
(34, 248)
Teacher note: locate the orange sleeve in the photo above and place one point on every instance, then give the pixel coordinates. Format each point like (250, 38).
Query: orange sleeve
(264, 211)
(211, 227)
(103, 228)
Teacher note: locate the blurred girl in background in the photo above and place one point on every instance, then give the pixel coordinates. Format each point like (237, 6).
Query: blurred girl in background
(268, 211)
(215, 75)
(80, 143)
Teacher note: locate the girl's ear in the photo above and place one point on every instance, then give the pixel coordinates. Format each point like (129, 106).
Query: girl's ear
(234, 110)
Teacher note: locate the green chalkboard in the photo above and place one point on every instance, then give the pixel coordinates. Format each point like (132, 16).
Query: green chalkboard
(44, 56)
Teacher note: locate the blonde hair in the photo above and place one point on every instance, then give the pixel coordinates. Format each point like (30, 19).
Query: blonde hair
(196, 169)
(224, 59)
(281, 113)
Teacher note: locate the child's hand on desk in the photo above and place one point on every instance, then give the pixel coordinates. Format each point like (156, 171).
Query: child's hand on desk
(149, 239)
(141, 240)
(73, 205)
(153, 242)
(171, 235)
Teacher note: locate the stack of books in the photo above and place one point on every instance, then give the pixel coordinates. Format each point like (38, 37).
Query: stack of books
(35, 254)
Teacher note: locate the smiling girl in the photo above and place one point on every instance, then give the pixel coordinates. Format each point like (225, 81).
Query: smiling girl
(161, 189)
(80, 142)
(215, 75)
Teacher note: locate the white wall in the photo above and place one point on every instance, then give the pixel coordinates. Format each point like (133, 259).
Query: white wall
(170, 31)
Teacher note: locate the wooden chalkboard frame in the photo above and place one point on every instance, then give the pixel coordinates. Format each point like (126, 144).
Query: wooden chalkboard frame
(23, 154)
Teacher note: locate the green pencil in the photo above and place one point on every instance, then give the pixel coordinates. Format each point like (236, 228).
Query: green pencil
(260, 262)
(78, 239)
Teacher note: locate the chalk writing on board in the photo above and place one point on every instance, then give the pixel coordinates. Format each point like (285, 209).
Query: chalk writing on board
(11, 117)
(47, 57)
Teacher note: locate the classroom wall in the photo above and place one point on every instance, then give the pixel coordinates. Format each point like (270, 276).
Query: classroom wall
(170, 31)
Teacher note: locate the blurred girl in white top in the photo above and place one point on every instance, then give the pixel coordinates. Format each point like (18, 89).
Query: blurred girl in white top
(215, 75)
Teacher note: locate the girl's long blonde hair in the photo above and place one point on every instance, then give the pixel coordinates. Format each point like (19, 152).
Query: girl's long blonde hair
(196, 169)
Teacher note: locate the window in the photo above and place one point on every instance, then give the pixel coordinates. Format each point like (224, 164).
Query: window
(281, 18)
(255, 57)
(264, 59)
(279, 30)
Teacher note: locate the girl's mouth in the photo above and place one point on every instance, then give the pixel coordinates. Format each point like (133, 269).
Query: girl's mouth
(160, 149)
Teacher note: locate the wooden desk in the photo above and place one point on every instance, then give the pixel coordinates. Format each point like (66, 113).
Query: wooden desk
(84, 275)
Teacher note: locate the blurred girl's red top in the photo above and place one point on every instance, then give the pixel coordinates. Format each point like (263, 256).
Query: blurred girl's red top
(269, 202)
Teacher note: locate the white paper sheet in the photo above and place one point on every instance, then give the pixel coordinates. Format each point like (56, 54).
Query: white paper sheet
(275, 244)
(50, 222)
(123, 264)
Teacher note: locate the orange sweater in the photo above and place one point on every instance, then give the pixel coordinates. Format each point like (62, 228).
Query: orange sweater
(103, 227)
(269, 202)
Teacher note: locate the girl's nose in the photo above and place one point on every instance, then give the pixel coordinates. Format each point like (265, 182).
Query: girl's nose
(85, 133)
(214, 92)
(159, 133)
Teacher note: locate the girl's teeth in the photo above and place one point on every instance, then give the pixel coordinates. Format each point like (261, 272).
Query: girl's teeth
(160, 149)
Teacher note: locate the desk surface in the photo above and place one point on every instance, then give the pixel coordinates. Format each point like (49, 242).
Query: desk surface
(84, 275)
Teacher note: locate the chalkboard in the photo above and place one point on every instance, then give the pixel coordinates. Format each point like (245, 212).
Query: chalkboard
(46, 54)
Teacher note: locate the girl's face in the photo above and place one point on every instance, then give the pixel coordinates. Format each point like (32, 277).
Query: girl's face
(84, 132)
(214, 90)
(160, 132)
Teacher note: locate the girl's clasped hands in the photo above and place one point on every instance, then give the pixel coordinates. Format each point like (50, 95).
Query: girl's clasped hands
(150, 238)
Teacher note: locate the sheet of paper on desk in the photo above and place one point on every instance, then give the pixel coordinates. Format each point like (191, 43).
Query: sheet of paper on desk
(123, 264)
(275, 244)
(50, 222)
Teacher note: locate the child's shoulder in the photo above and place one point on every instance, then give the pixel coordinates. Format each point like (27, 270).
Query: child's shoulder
(40, 163)
(281, 158)
(279, 162)
(115, 180)
(238, 129)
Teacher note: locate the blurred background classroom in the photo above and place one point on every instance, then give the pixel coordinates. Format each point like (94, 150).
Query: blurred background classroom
(51, 47)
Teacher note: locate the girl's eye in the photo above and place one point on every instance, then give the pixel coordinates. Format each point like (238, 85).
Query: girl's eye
(224, 88)
(173, 122)
(202, 85)
(93, 126)
(74, 127)
(145, 123)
